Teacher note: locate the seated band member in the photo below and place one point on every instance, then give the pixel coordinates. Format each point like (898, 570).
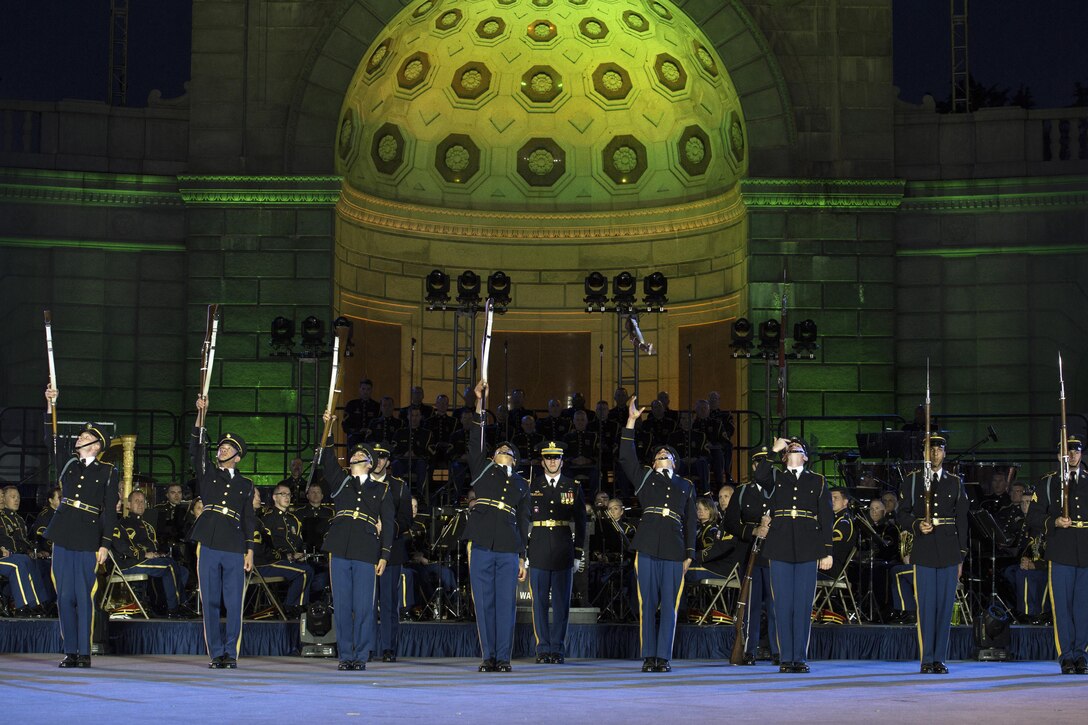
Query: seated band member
(136, 550)
(664, 542)
(282, 553)
(359, 540)
(18, 565)
(716, 553)
(224, 533)
(555, 502)
(938, 551)
(497, 532)
(429, 574)
(391, 584)
(843, 535)
(1066, 546)
(798, 544)
(1029, 575)
(81, 532)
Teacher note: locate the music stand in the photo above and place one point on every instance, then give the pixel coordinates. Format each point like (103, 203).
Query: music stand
(986, 528)
(448, 539)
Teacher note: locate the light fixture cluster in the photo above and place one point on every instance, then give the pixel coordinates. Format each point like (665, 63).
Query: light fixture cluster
(744, 339)
(655, 290)
(437, 290)
(311, 336)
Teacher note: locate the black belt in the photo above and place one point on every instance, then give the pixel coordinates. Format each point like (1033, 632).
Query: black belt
(795, 513)
(230, 513)
(662, 511)
(77, 504)
(495, 503)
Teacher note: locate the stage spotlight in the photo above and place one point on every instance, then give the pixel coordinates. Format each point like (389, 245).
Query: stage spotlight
(596, 291)
(283, 333)
(741, 333)
(623, 290)
(770, 335)
(993, 634)
(656, 289)
(343, 322)
(437, 286)
(468, 287)
(317, 635)
(498, 289)
(313, 332)
(804, 338)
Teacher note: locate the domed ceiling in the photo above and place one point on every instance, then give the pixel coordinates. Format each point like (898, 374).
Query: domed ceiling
(574, 105)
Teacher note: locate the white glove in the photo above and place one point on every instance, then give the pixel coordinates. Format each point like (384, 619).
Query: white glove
(526, 562)
(579, 564)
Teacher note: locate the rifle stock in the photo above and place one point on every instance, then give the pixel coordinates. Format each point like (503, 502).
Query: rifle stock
(740, 630)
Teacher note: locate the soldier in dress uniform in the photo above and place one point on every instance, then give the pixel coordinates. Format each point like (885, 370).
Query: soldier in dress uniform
(170, 518)
(281, 533)
(555, 502)
(136, 550)
(527, 441)
(743, 519)
(17, 558)
(664, 543)
(716, 554)
(843, 535)
(359, 541)
(555, 425)
(1067, 552)
(498, 533)
(224, 533)
(1029, 575)
(391, 584)
(45, 516)
(81, 532)
(358, 412)
(383, 426)
(799, 529)
(413, 450)
(582, 449)
(940, 546)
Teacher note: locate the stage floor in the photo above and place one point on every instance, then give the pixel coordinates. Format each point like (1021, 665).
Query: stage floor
(180, 688)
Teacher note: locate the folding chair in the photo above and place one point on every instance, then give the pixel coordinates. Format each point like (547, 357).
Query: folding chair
(839, 586)
(118, 578)
(720, 588)
(263, 592)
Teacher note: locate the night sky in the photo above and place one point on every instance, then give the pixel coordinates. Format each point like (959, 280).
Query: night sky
(55, 49)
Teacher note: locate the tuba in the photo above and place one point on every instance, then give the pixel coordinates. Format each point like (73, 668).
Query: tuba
(906, 543)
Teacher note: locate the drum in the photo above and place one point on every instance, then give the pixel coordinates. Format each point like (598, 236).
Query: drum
(988, 476)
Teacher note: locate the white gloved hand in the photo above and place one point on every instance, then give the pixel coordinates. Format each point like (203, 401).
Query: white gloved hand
(526, 562)
(579, 564)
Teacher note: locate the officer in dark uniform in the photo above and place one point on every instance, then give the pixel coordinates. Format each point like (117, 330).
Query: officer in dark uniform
(358, 412)
(798, 544)
(224, 533)
(170, 517)
(383, 426)
(743, 519)
(716, 553)
(45, 516)
(498, 532)
(283, 555)
(391, 583)
(81, 532)
(843, 534)
(1067, 552)
(664, 543)
(940, 546)
(555, 502)
(136, 550)
(359, 541)
(17, 564)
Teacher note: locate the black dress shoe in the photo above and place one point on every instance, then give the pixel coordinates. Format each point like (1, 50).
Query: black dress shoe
(663, 666)
(1082, 667)
(543, 658)
(800, 668)
(927, 668)
(487, 665)
(84, 661)
(558, 659)
(503, 666)
(785, 667)
(216, 663)
(939, 668)
(649, 664)
(346, 665)
(749, 659)
(389, 656)
(371, 656)
(72, 660)
(1068, 667)
(775, 660)
(229, 663)
(357, 665)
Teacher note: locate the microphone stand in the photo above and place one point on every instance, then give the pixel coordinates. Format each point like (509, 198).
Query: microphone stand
(423, 487)
(691, 412)
(600, 423)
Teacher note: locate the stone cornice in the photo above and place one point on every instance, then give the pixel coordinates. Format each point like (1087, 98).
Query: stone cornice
(259, 190)
(833, 194)
(33, 186)
(997, 195)
(415, 220)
